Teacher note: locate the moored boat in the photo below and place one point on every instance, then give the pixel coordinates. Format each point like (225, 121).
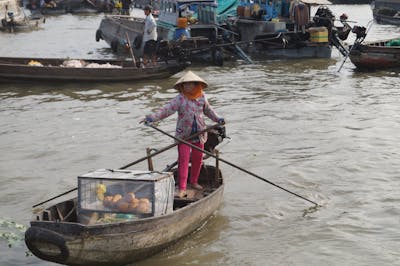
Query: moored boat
(56, 69)
(13, 17)
(393, 4)
(375, 55)
(92, 229)
(186, 29)
(280, 29)
(55, 7)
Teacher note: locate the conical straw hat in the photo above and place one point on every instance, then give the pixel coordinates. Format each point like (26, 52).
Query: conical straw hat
(190, 77)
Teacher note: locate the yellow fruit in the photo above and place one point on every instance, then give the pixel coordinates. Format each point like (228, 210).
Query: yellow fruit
(100, 196)
(101, 187)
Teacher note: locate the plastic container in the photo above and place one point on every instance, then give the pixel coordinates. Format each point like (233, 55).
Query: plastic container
(393, 43)
(318, 34)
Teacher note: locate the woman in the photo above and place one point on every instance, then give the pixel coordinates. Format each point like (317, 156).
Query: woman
(191, 105)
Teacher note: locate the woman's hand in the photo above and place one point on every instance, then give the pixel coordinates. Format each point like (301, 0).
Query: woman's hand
(221, 121)
(147, 120)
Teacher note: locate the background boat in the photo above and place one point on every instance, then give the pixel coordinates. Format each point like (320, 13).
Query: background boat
(13, 17)
(65, 69)
(387, 16)
(56, 7)
(270, 30)
(376, 55)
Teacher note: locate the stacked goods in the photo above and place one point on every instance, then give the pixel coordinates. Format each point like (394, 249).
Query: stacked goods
(127, 203)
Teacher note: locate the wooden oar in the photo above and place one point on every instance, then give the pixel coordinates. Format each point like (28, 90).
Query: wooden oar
(91, 3)
(62, 194)
(170, 146)
(231, 164)
(141, 160)
(130, 49)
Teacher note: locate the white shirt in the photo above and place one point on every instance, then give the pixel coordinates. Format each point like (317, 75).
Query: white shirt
(150, 29)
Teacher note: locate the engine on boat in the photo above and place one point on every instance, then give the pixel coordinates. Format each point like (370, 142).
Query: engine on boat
(215, 137)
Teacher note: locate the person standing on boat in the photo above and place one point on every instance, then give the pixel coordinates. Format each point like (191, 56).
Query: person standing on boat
(191, 105)
(149, 41)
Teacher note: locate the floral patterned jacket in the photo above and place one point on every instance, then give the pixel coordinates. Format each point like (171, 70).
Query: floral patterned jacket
(188, 110)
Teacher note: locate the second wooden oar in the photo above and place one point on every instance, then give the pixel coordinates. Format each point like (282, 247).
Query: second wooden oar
(231, 164)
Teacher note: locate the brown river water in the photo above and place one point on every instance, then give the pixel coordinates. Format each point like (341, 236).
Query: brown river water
(330, 136)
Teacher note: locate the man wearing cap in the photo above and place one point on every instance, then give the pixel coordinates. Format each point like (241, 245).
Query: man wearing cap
(149, 41)
(191, 105)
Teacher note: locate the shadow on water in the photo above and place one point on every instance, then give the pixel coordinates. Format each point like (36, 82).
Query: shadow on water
(185, 251)
(390, 72)
(87, 91)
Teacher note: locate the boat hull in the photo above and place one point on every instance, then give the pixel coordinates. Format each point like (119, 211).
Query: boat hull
(368, 56)
(17, 69)
(273, 41)
(307, 51)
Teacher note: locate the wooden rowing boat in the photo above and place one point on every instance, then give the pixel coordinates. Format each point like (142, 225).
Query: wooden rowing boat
(59, 234)
(63, 240)
(375, 55)
(52, 69)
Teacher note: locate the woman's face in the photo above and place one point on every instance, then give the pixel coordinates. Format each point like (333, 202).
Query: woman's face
(188, 86)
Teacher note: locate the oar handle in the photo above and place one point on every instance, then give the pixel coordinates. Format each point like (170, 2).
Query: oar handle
(65, 193)
(169, 146)
(231, 164)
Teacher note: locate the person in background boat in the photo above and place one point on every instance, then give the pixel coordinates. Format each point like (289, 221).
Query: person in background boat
(126, 6)
(149, 41)
(191, 105)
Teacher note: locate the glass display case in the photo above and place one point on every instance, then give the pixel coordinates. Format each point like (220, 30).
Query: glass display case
(108, 195)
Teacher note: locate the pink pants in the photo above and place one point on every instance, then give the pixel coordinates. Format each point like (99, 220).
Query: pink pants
(183, 163)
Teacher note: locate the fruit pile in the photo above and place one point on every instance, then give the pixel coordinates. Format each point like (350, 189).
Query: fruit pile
(127, 203)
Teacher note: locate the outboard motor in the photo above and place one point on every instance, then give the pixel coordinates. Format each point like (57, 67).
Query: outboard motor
(324, 17)
(215, 137)
(361, 32)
